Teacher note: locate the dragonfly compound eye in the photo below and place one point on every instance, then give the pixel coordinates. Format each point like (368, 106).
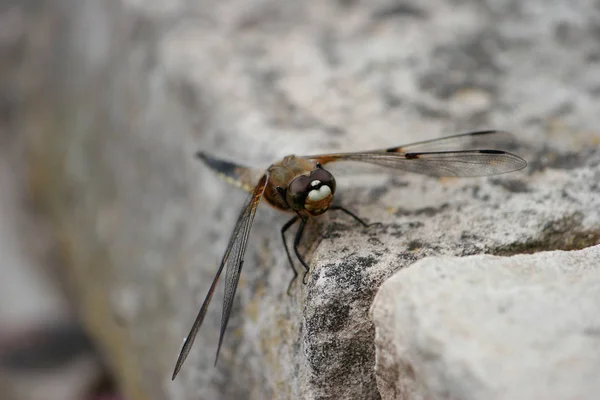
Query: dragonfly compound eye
(324, 177)
(297, 192)
(320, 192)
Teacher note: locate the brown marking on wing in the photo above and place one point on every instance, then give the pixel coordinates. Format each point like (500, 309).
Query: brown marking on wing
(326, 158)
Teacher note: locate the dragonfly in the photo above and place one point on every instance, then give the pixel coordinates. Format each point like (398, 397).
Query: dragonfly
(302, 186)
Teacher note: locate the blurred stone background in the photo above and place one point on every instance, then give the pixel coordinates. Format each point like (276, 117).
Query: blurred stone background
(110, 231)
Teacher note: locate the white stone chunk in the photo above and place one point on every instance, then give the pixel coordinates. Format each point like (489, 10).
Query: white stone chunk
(495, 328)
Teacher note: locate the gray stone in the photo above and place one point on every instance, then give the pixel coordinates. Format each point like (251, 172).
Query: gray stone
(483, 327)
(129, 90)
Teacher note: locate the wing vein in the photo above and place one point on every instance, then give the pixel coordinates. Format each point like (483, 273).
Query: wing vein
(480, 153)
(232, 262)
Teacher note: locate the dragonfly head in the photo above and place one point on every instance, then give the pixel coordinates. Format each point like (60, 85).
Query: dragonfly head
(313, 192)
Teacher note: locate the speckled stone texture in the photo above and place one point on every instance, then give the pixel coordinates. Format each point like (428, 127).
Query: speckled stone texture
(482, 327)
(132, 89)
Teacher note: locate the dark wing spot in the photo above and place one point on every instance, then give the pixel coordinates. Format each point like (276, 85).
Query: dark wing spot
(411, 156)
(492, 152)
(482, 132)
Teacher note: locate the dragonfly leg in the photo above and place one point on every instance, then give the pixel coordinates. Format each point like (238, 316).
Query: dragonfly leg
(296, 243)
(284, 228)
(350, 213)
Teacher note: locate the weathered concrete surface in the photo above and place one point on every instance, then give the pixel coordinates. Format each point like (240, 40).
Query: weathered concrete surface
(133, 88)
(483, 327)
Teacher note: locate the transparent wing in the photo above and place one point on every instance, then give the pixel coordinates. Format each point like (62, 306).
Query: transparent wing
(488, 140)
(422, 159)
(232, 260)
(444, 163)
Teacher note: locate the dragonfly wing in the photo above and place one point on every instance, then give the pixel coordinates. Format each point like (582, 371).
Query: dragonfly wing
(464, 163)
(490, 140)
(464, 155)
(236, 175)
(232, 261)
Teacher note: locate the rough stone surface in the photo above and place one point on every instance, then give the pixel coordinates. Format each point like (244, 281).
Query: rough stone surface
(483, 327)
(131, 89)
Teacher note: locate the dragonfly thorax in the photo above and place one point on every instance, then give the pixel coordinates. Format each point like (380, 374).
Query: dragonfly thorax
(313, 192)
